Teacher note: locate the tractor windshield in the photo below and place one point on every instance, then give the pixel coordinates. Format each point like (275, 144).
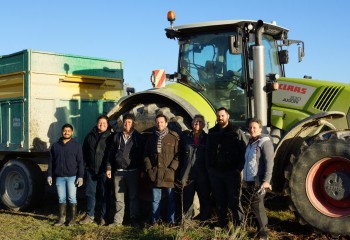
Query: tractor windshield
(206, 64)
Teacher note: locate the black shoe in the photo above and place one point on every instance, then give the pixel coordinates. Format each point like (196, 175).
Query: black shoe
(134, 223)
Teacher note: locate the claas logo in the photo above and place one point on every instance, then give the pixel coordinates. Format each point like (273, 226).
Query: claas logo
(292, 88)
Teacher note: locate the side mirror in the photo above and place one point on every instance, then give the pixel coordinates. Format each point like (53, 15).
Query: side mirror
(301, 53)
(235, 43)
(283, 56)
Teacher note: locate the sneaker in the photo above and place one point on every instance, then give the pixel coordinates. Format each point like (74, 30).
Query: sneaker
(114, 224)
(86, 220)
(102, 222)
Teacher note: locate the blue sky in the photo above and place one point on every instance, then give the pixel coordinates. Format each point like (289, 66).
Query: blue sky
(133, 31)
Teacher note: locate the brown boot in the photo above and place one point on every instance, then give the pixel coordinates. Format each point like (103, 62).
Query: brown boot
(62, 215)
(73, 213)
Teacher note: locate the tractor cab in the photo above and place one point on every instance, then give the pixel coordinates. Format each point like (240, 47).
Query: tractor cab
(216, 59)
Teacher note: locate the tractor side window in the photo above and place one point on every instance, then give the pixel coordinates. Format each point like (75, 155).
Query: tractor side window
(271, 57)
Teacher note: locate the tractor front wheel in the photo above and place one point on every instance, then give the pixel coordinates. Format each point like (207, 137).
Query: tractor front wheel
(320, 185)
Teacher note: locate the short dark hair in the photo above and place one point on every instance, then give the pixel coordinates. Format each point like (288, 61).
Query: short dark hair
(222, 109)
(162, 115)
(67, 125)
(199, 116)
(256, 120)
(102, 117)
(129, 116)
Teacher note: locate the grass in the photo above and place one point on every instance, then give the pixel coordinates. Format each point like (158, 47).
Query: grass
(31, 226)
(38, 225)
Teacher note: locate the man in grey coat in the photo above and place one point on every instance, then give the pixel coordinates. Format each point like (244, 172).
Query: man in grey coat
(125, 161)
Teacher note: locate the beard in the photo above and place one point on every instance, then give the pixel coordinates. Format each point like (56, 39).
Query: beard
(67, 137)
(222, 123)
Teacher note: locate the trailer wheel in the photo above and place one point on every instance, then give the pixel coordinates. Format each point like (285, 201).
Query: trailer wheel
(21, 184)
(320, 185)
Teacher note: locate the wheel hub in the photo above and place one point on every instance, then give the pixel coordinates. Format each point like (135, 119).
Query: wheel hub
(337, 185)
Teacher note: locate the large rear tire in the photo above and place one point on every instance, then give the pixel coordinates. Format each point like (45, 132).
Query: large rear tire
(320, 185)
(145, 117)
(21, 184)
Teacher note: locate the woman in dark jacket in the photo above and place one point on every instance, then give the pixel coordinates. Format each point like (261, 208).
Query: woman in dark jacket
(194, 174)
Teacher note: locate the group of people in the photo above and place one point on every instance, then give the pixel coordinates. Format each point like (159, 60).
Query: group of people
(211, 164)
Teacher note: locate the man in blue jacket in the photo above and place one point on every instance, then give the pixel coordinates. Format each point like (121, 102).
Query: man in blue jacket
(66, 166)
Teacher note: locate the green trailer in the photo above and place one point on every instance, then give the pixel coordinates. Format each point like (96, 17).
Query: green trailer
(39, 92)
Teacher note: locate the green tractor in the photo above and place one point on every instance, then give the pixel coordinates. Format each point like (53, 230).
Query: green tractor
(239, 65)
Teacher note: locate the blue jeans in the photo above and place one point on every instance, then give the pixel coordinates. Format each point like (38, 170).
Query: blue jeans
(96, 190)
(66, 185)
(156, 197)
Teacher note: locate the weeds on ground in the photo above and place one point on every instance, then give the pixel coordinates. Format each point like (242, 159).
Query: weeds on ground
(39, 226)
(194, 229)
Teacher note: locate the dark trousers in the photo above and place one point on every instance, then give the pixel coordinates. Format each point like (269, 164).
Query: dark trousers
(97, 194)
(255, 203)
(201, 185)
(226, 188)
(126, 186)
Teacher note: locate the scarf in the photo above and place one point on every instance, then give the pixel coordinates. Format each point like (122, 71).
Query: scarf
(160, 135)
(253, 139)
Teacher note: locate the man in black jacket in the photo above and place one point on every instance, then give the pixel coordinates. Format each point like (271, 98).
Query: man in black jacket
(94, 150)
(225, 160)
(65, 164)
(125, 161)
